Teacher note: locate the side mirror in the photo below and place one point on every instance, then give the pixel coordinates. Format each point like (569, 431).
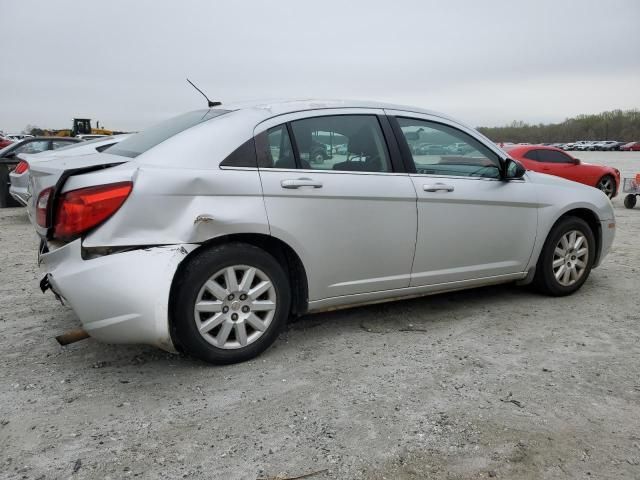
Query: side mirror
(576, 161)
(513, 170)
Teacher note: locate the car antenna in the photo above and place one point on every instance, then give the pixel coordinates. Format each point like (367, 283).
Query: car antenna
(211, 104)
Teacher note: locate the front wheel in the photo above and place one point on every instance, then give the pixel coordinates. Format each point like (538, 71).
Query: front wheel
(231, 302)
(566, 258)
(608, 185)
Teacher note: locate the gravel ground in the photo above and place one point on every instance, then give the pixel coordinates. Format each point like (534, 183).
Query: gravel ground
(494, 382)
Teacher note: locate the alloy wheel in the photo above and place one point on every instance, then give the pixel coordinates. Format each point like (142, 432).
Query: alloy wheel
(235, 306)
(607, 186)
(570, 258)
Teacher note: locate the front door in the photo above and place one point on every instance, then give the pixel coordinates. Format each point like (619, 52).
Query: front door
(471, 224)
(332, 192)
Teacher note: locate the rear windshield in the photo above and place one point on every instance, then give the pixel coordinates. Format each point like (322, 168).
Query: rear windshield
(149, 138)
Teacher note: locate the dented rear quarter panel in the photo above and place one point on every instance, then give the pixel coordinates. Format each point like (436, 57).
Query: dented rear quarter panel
(165, 203)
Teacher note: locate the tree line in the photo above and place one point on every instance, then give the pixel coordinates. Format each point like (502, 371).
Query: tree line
(621, 125)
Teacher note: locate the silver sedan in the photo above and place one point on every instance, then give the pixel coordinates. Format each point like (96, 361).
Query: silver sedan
(207, 232)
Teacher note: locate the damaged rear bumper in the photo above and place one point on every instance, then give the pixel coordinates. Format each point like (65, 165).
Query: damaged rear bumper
(119, 298)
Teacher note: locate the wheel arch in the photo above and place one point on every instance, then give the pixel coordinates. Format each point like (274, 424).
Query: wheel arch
(592, 219)
(281, 251)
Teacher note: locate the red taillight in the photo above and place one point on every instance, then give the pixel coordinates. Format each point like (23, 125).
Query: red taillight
(82, 209)
(42, 206)
(21, 167)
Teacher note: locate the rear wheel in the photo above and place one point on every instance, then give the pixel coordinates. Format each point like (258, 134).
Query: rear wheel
(630, 201)
(566, 258)
(231, 302)
(608, 185)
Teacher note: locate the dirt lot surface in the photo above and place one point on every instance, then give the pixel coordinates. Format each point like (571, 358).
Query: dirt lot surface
(490, 383)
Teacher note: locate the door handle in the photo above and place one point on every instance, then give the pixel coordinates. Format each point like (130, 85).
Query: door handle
(300, 182)
(438, 187)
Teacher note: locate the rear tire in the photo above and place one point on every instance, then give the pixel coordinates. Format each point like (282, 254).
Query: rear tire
(559, 256)
(630, 201)
(220, 313)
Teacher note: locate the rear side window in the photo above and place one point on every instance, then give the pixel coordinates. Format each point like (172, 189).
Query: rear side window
(553, 156)
(348, 143)
(149, 138)
(275, 149)
(243, 156)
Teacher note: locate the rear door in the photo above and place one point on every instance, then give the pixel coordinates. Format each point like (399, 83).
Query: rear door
(471, 224)
(350, 212)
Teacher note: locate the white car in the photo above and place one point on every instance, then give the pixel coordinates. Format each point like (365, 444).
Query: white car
(208, 231)
(19, 177)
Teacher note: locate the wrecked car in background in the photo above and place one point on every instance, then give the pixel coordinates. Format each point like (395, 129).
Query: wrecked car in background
(19, 177)
(9, 160)
(207, 232)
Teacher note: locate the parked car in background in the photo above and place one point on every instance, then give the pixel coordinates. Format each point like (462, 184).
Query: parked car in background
(9, 160)
(612, 146)
(213, 253)
(585, 146)
(554, 161)
(604, 145)
(5, 142)
(19, 177)
(16, 137)
(630, 147)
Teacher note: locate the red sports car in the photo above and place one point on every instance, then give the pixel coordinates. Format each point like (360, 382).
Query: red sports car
(557, 162)
(631, 146)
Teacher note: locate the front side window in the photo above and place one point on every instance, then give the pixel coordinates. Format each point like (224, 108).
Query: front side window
(553, 156)
(532, 155)
(351, 143)
(33, 147)
(439, 149)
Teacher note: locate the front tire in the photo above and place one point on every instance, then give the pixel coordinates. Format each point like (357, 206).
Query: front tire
(608, 185)
(566, 258)
(231, 303)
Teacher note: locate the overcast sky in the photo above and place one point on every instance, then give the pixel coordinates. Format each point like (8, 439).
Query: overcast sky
(488, 62)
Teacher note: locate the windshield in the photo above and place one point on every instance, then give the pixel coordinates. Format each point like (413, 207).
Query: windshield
(149, 138)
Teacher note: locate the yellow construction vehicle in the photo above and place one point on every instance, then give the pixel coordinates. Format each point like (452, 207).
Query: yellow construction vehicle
(82, 126)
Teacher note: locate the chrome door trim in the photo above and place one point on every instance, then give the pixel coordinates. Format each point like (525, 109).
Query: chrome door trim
(445, 121)
(301, 115)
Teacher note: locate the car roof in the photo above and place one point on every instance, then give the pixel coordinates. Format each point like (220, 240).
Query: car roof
(273, 108)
